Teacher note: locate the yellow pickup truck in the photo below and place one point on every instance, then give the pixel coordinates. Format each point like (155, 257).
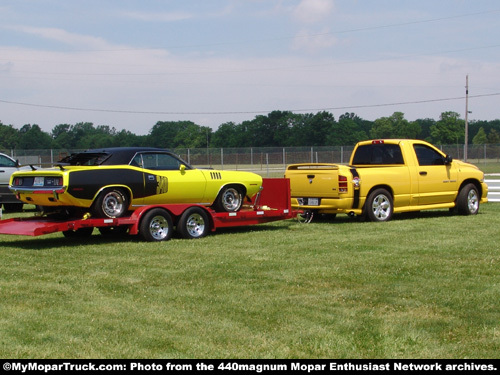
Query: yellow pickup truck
(385, 177)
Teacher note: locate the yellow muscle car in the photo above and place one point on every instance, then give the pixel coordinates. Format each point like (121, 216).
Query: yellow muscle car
(109, 182)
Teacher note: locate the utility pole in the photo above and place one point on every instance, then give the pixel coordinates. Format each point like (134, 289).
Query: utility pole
(466, 145)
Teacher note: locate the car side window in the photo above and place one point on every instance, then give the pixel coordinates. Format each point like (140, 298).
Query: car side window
(159, 161)
(6, 162)
(428, 156)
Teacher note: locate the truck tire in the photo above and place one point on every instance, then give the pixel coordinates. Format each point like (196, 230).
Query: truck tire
(156, 225)
(111, 203)
(379, 205)
(229, 199)
(468, 200)
(194, 223)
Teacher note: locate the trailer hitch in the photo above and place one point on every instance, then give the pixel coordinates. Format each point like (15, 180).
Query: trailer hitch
(305, 217)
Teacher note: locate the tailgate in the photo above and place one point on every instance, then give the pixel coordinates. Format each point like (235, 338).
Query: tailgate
(313, 180)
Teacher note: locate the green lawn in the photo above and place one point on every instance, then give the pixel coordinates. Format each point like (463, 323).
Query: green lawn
(420, 286)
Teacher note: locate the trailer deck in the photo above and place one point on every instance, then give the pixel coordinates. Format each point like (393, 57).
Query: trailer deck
(193, 221)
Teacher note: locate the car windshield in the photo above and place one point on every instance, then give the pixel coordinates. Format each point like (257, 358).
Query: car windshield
(85, 158)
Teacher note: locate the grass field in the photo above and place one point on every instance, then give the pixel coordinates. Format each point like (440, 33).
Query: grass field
(420, 286)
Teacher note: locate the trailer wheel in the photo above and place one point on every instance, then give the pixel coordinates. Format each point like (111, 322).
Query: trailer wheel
(194, 223)
(156, 225)
(79, 233)
(229, 199)
(111, 203)
(379, 206)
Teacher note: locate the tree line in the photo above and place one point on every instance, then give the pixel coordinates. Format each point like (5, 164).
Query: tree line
(276, 129)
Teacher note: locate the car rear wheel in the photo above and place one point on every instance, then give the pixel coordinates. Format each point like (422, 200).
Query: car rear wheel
(156, 225)
(229, 199)
(379, 206)
(194, 223)
(111, 203)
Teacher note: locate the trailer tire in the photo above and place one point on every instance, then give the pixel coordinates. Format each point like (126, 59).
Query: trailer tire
(156, 225)
(194, 223)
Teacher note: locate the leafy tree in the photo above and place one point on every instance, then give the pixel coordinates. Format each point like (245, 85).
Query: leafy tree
(347, 131)
(449, 129)
(9, 136)
(228, 135)
(395, 126)
(32, 137)
(494, 137)
(480, 138)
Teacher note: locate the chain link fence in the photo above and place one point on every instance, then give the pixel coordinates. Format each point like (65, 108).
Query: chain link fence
(267, 161)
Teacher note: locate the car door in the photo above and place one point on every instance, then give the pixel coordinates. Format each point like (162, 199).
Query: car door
(7, 167)
(437, 180)
(167, 179)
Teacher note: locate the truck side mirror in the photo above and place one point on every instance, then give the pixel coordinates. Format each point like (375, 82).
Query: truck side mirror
(448, 159)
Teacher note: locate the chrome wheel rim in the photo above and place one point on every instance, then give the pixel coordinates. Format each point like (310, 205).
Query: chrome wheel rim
(113, 204)
(381, 207)
(158, 228)
(231, 199)
(473, 201)
(195, 225)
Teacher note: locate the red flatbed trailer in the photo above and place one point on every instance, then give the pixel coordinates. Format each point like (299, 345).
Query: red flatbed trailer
(156, 222)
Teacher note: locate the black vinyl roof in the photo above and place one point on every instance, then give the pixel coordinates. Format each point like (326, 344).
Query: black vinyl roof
(108, 156)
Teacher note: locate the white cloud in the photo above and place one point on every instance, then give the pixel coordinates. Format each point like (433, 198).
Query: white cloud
(313, 11)
(62, 36)
(158, 17)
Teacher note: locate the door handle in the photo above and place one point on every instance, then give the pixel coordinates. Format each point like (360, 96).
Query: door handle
(423, 173)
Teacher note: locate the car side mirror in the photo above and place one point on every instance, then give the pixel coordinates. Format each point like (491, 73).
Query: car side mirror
(182, 168)
(448, 159)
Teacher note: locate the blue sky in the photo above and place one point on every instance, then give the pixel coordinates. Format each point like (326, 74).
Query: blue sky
(129, 63)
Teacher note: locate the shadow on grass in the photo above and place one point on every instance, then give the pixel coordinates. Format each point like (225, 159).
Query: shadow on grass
(98, 239)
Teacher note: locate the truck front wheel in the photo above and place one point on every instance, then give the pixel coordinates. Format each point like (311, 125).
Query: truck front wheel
(468, 200)
(379, 205)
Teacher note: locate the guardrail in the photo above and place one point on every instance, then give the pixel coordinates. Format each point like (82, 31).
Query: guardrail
(493, 182)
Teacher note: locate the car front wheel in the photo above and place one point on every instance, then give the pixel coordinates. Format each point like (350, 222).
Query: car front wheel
(229, 199)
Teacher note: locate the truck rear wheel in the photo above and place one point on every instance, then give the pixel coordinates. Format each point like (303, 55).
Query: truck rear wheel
(379, 205)
(468, 200)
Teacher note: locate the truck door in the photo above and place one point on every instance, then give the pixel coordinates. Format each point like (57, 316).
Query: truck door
(437, 181)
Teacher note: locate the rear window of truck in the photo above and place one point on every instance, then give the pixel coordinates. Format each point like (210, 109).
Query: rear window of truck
(378, 154)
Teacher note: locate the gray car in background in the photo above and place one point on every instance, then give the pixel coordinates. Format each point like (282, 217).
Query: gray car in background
(7, 198)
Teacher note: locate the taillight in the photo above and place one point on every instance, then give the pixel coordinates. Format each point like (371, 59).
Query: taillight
(18, 181)
(342, 184)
